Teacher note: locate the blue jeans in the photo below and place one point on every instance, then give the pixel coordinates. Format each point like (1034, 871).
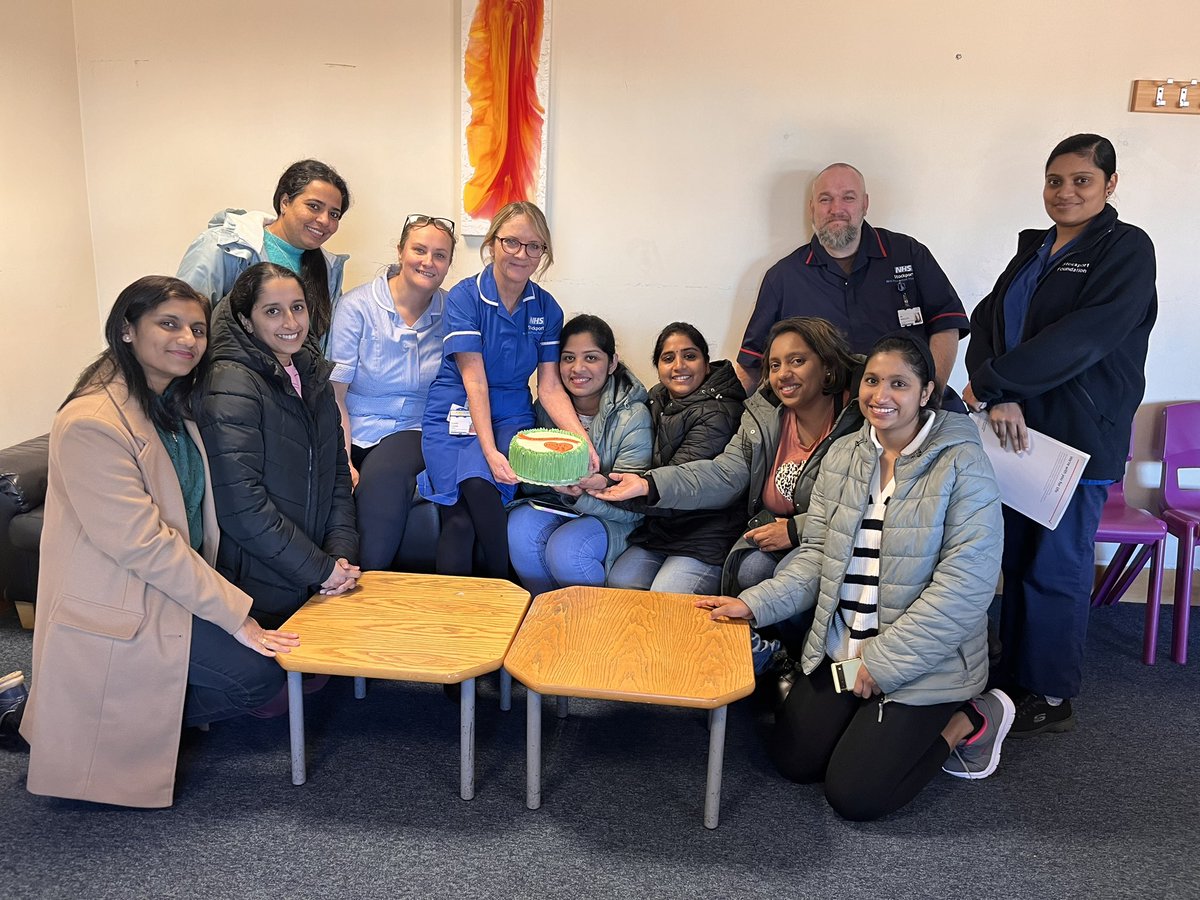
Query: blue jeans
(549, 551)
(650, 570)
(756, 567)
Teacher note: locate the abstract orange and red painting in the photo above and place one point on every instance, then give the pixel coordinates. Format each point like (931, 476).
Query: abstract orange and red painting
(504, 79)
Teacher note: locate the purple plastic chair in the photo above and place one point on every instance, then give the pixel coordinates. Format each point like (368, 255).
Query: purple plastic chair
(1136, 531)
(1181, 509)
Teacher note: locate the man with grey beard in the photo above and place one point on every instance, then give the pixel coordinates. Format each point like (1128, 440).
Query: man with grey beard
(866, 281)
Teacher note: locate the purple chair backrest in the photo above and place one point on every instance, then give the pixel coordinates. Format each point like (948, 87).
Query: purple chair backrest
(1181, 450)
(1116, 491)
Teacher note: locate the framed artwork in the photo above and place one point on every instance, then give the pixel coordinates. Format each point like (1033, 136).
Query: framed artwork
(505, 95)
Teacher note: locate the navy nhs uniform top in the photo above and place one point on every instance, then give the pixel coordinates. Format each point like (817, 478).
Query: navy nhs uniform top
(894, 283)
(512, 347)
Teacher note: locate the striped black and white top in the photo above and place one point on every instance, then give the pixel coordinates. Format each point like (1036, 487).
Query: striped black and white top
(857, 616)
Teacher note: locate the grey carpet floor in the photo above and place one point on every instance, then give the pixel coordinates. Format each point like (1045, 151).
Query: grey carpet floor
(1109, 810)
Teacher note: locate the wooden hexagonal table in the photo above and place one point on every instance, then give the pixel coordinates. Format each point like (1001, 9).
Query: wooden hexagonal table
(637, 646)
(406, 627)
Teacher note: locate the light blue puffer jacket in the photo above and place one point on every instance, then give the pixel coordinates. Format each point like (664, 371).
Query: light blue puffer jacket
(939, 562)
(622, 436)
(231, 244)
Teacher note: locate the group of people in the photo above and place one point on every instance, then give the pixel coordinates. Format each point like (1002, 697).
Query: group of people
(250, 436)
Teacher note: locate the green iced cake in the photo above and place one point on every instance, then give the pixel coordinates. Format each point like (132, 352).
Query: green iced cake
(548, 456)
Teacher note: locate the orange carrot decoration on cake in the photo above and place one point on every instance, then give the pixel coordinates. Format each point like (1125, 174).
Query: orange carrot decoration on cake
(504, 137)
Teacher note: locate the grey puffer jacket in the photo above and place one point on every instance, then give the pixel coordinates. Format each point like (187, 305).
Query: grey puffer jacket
(621, 434)
(939, 563)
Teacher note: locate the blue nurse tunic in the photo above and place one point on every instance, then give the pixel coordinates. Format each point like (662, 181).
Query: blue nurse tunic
(512, 346)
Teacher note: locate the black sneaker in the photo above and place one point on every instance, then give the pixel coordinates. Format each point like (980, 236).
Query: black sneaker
(1036, 716)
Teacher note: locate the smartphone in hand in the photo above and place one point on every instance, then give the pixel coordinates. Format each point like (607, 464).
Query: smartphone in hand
(845, 673)
(764, 517)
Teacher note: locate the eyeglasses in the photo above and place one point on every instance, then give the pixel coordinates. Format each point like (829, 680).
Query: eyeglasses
(419, 220)
(512, 246)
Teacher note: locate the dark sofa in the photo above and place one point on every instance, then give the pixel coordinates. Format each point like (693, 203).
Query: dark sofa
(23, 469)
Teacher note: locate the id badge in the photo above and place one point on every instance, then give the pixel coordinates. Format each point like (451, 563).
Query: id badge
(910, 316)
(459, 418)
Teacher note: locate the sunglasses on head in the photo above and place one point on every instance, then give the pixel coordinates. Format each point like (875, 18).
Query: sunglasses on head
(419, 220)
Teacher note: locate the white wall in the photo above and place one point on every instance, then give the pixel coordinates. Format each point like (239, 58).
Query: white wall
(683, 137)
(48, 320)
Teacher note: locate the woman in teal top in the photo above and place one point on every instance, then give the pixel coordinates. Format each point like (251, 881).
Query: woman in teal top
(310, 200)
(136, 631)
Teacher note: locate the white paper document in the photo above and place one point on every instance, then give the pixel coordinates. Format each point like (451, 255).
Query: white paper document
(1039, 482)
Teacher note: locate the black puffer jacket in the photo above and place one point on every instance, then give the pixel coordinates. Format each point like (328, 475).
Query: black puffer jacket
(696, 427)
(280, 478)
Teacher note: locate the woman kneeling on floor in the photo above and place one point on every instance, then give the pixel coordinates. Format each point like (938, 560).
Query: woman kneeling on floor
(900, 554)
(135, 630)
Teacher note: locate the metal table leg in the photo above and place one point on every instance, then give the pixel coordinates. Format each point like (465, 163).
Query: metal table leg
(360, 687)
(505, 690)
(716, 759)
(533, 749)
(296, 725)
(466, 740)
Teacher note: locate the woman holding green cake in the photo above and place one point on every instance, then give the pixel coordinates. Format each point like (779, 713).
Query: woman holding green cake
(577, 544)
(501, 327)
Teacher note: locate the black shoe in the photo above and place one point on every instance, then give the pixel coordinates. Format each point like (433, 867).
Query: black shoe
(775, 682)
(1036, 716)
(784, 683)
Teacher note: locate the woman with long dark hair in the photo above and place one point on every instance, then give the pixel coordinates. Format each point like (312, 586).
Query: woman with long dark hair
(548, 550)
(280, 475)
(136, 632)
(804, 404)
(309, 201)
(694, 410)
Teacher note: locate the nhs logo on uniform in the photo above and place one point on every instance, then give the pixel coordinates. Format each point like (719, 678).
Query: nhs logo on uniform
(538, 320)
(902, 271)
(536, 325)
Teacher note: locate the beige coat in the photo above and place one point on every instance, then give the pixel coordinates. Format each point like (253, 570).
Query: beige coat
(117, 589)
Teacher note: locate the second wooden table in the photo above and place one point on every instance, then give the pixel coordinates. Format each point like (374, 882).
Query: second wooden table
(638, 646)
